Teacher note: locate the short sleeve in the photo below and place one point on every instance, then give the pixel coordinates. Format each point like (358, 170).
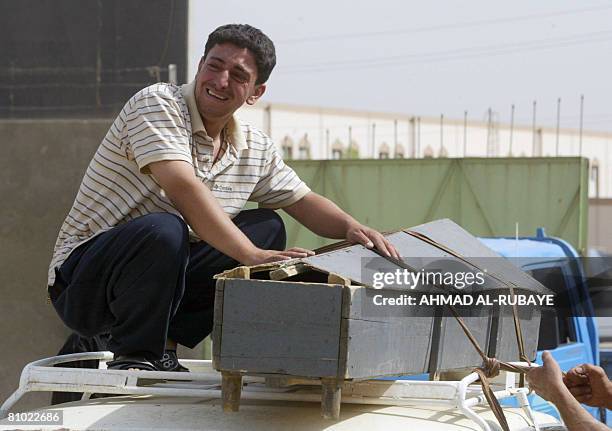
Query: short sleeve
(157, 131)
(279, 186)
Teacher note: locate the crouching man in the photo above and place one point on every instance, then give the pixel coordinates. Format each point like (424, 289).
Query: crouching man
(160, 209)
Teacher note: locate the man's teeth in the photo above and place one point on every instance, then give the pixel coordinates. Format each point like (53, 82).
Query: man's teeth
(218, 96)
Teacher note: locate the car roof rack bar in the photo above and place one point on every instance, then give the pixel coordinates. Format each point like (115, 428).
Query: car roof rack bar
(203, 381)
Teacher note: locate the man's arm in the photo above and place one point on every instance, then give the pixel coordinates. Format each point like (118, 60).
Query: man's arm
(576, 418)
(325, 218)
(547, 382)
(203, 213)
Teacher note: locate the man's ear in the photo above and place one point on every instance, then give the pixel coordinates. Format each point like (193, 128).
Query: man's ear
(259, 90)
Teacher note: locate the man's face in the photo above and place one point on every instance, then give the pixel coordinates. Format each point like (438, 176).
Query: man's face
(225, 81)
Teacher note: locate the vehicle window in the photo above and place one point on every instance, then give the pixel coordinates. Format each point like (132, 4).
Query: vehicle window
(555, 328)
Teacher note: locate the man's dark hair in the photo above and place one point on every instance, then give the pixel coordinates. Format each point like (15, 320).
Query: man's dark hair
(251, 38)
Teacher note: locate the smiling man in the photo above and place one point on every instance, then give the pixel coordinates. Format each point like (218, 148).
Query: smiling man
(160, 209)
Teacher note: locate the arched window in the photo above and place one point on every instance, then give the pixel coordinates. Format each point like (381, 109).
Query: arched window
(287, 146)
(337, 149)
(383, 151)
(304, 147)
(399, 151)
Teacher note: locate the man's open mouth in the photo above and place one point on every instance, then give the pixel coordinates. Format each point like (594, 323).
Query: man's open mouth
(215, 95)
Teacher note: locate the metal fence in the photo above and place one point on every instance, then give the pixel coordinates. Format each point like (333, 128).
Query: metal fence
(488, 197)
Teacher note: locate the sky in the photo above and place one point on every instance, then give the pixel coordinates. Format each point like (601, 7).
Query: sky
(433, 57)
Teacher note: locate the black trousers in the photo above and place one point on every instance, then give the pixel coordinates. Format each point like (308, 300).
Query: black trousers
(143, 281)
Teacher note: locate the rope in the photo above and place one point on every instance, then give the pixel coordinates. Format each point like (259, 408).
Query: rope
(517, 322)
(490, 367)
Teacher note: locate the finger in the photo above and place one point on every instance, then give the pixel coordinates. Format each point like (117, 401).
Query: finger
(302, 250)
(593, 371)
(546, 358)
(394, 252)
(382, 247)
(276, 258)
(572, 379)
(577, 374)
(578, 391)
(382, 243)
(578, 371)
(363, 239)
(379, 243)
(293, 254)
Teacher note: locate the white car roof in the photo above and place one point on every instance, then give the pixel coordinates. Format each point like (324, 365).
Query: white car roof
(182, 413)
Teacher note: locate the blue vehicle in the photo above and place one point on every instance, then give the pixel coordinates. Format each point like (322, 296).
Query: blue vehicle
(571, 340)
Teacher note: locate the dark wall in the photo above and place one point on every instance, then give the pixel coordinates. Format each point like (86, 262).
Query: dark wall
(86, 57)
(38, 182)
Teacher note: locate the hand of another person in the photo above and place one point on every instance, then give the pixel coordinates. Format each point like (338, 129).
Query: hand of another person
(547, 380)
(370, 238)
(590, 385)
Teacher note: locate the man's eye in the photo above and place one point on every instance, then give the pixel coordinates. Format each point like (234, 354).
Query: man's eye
(213, 67)
(240, 78)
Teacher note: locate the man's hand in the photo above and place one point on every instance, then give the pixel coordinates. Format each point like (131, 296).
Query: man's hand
(206, 217)
(590, 385)
(547, 380)
(370, 238)
(268, 256)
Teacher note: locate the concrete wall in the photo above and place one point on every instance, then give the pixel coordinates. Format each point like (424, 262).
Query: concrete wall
(40, 172)
(41, 168)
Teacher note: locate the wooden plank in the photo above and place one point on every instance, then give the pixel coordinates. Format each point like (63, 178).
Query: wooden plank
(331, 396)
(349, 263)
(217, 322)
(344, 332)
(231, 388)
(238, 272)
(454, 351)
(388, 348)
(453, 236)
(284, 382)
(338, 279)
(281, 366)
(411, 249)
(379, 344)
(281, 327)
(288, 271)
(500, 273)
(503, 345)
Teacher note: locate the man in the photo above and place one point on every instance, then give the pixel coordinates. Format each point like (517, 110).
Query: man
(159, 211)
(587, 384)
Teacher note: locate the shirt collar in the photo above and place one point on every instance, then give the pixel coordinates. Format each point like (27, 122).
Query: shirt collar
(233, 129)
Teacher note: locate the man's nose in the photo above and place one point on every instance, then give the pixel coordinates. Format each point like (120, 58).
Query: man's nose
(222, 79)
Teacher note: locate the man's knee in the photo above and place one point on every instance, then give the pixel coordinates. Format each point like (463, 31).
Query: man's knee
(164, 232)
(274, 223)
(264, 227)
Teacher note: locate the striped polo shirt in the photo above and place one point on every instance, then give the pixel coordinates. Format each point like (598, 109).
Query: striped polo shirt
(162, 122)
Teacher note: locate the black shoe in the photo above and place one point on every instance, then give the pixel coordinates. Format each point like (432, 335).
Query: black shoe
(169, 362)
